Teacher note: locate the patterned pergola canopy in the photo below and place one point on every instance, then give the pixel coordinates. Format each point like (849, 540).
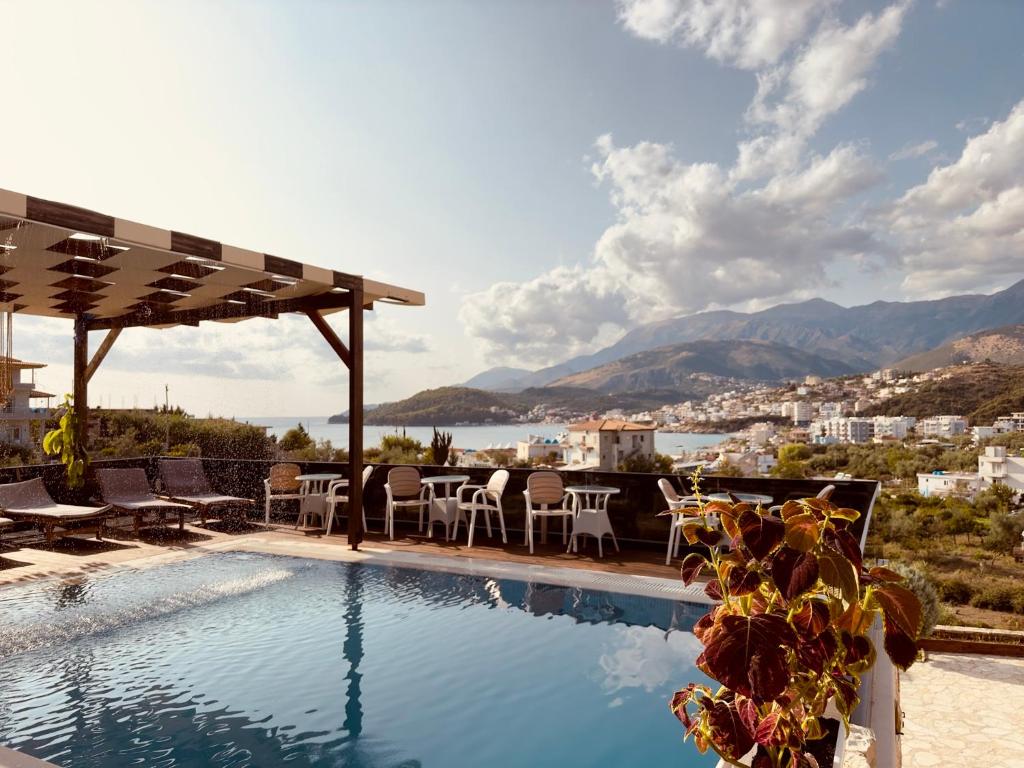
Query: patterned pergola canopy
(61, 261)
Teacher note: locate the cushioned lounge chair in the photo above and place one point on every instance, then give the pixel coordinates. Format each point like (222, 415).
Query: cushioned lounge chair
(127, 491)
(185, 482)
(29, 502)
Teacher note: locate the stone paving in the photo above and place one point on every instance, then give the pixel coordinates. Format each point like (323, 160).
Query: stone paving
(963, 711)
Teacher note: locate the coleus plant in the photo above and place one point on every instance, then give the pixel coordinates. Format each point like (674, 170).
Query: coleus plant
(790, 630)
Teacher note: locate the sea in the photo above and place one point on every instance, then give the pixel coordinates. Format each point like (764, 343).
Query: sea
(474, 437)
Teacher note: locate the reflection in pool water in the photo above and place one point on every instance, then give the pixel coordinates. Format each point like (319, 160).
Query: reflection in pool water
(235, 660)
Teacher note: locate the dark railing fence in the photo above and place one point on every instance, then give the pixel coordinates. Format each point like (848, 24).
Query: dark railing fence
(633, 511)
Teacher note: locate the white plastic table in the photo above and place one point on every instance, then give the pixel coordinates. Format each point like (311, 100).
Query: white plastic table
(448, 504)
(591, 499)
(314, 494)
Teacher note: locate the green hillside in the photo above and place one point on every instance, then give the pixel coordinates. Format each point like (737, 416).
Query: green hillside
(979, 391)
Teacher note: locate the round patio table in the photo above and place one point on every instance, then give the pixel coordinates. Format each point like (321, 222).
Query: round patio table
(447, 505)
(314, 494)
(588, 498)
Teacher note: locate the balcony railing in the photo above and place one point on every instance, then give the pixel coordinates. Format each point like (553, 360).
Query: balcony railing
(633, 512)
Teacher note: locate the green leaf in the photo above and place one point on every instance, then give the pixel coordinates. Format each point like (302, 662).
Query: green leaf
(838, 572)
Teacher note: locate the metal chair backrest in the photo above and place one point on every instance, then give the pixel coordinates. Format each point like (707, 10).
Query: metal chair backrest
(667, 490)
(282, 477)
(404, 481)
(826, 492)
(184, 477)
(123, 484)
(496, 483)
(545, 487)
(28, 494)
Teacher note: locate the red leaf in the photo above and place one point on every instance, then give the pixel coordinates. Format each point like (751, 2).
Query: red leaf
(816, 653)
(762, 760)
(748, 655)
(709, 537)
(761, 534)
(771, 731)
(802, 532)
(703, 625)
(743, 582)
(846, 695)
(713, 589)
(794, 572)
(878, 573)
(901, 607)
(693, 564)
(812, 618)
(845, 542)
(727, 729)
(678, 706)
(899, 645)
(748, 713)
(858, 649)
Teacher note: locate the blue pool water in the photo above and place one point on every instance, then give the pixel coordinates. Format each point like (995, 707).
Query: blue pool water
(257, 660)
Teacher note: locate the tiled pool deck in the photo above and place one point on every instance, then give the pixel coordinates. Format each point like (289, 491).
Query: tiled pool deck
(959, 710)
(964, 711)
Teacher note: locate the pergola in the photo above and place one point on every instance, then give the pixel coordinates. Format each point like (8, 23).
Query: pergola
(108, 274)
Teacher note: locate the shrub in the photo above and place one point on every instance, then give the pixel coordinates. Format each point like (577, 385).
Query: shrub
(1000, 598)
(918, 582)
(955, 591)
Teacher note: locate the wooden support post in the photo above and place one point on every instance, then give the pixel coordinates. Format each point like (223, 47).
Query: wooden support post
(80, 390)
(101, 352)
(355, 417)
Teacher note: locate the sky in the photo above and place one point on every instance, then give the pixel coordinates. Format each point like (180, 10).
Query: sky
(551, 173)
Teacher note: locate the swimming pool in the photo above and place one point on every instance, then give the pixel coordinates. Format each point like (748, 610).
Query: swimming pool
(241, 659)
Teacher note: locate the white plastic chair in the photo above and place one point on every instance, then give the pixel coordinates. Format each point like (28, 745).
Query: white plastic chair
(403, 490)
(337, 493)
(280, 486)
(675, 532)
(824, 494)
(486, 499)
(592, 520)
(544, 490)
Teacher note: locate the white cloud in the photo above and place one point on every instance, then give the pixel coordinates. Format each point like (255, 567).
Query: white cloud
(964, 226)
(749, 34)
(696, 236)
(908, 151)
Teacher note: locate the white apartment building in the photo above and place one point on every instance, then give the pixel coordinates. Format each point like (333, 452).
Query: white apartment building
(803, 412)
(761, 433)
(937, 483)
(842, 429)
(604, 443)
(537, 447)
(897, 427)
(20, 423)
(942, 426)
(995, 466)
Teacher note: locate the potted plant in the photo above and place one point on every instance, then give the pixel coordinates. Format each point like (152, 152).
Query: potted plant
(65, 441)
(789, 634)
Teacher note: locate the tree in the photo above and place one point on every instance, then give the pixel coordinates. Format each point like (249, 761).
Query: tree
(636, 462)
(440, 448)
(794, 452)
(296, 439)
(790, 470)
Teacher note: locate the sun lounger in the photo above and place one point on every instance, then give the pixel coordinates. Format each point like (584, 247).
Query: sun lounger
(185, 482)
(29, 502)
(127, 491)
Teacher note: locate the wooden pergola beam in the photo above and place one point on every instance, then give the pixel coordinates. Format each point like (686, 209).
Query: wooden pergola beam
(223, 311)
(80, 384)
(101, 352)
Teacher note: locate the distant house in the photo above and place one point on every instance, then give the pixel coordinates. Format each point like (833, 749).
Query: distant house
(20, 423)
(964, 484)
(942, 426)
(603, 444)
(537, 447)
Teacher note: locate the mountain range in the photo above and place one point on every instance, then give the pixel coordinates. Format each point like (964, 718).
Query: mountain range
(999, 345)
(860, 338)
